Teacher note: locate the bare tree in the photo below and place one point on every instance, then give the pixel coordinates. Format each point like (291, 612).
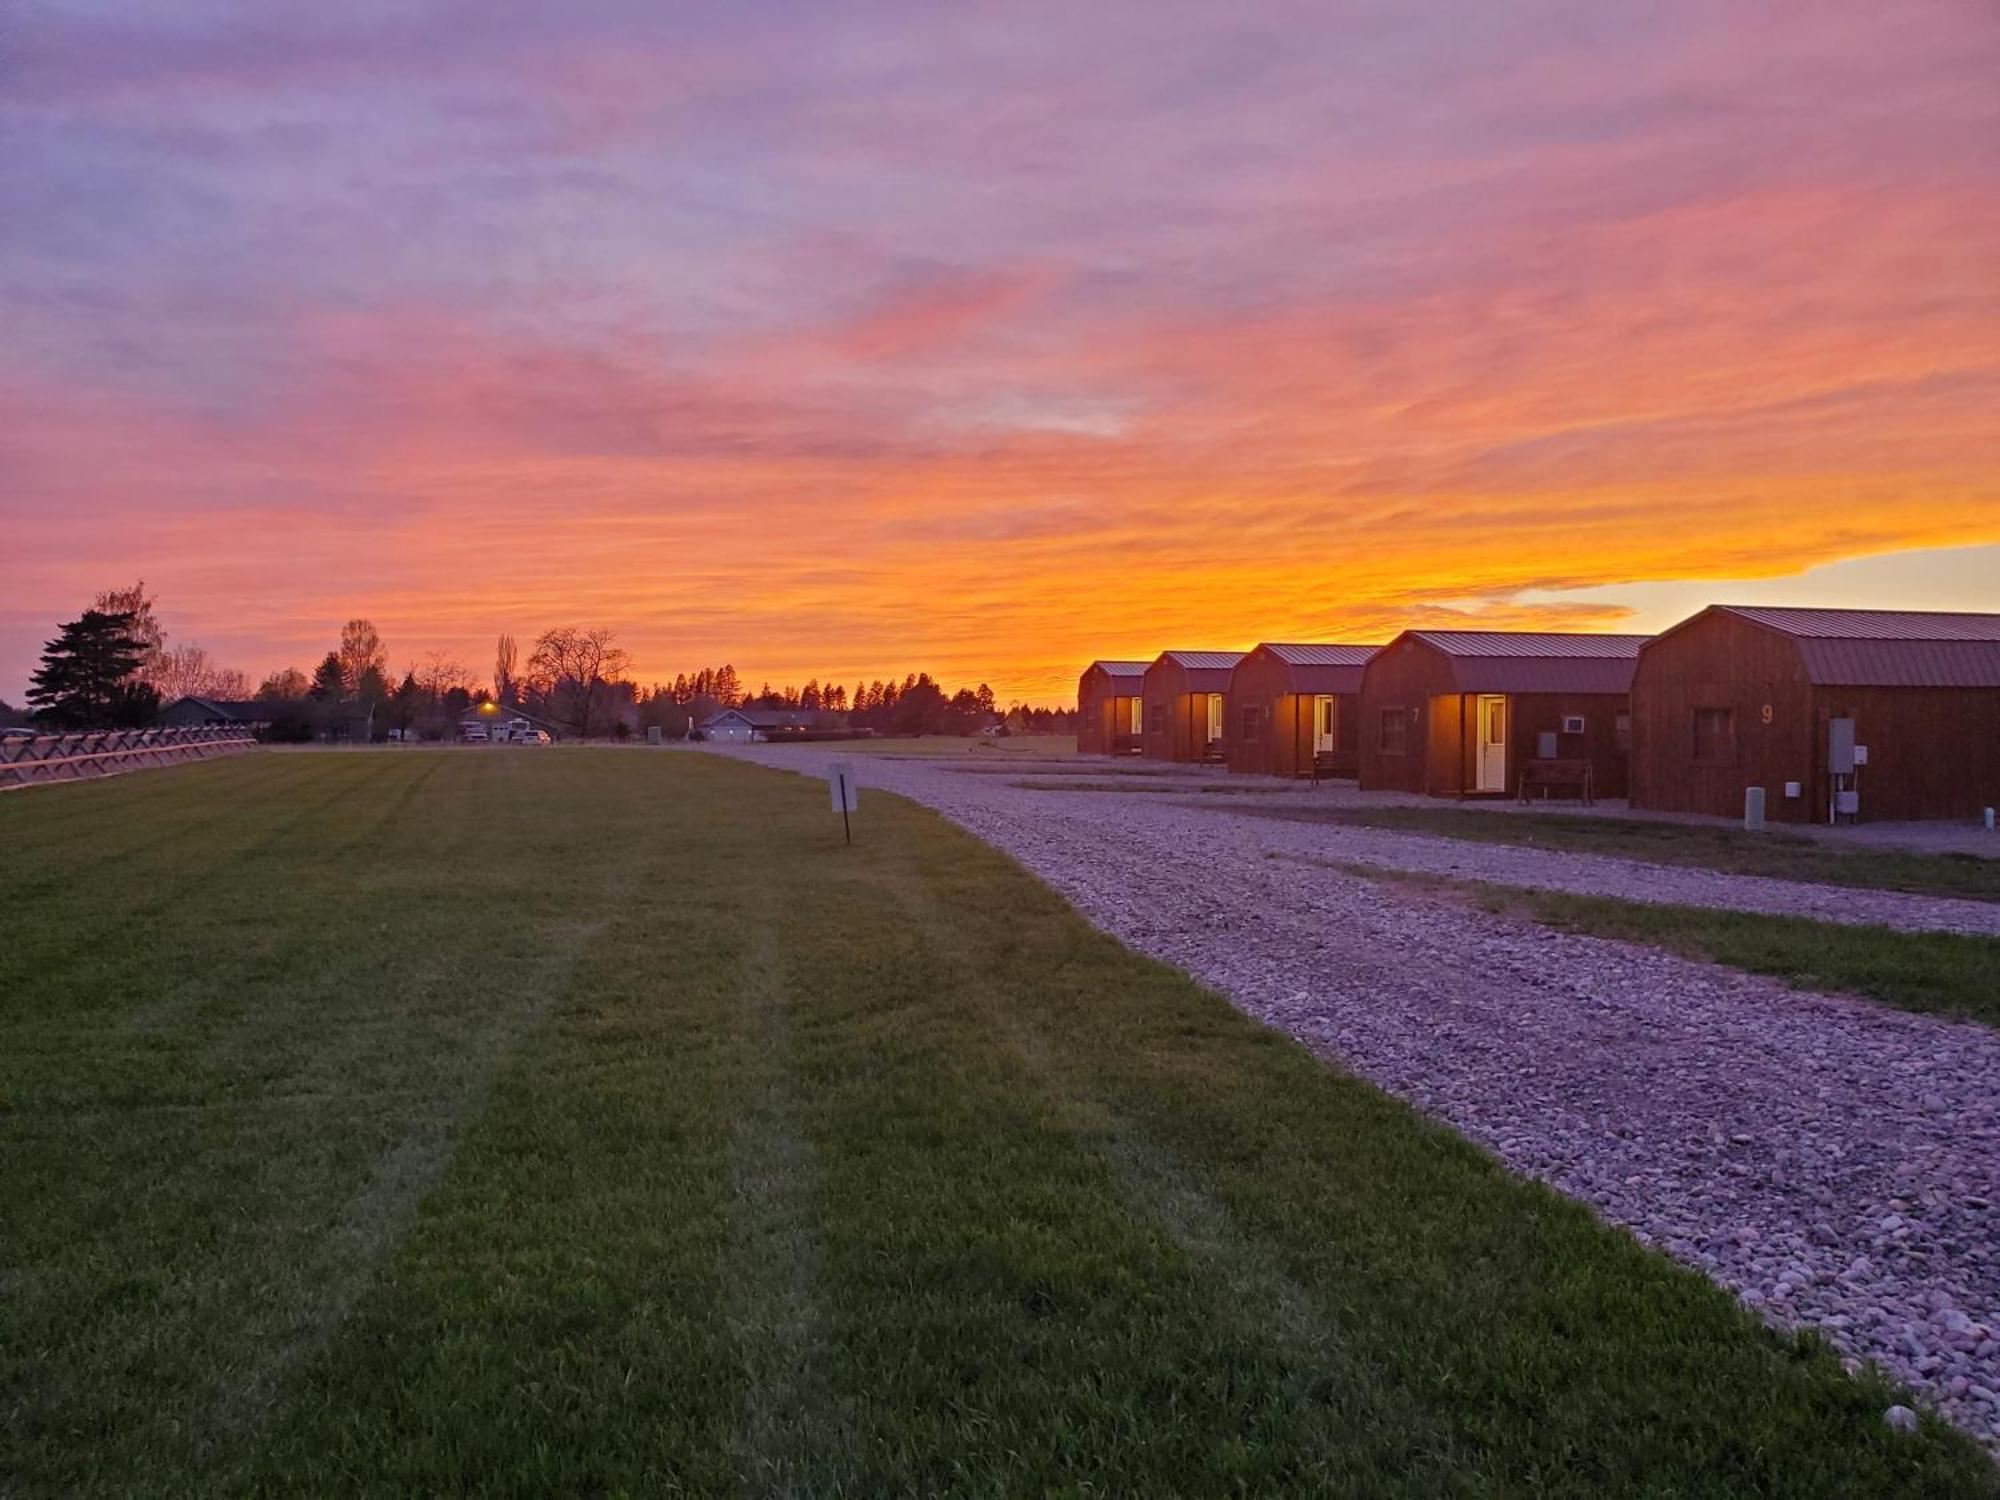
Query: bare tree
(189, 672)
(288, 686)
(145, 629)
(360, 650)
(506, 661)
(571, 667)
(439, 674)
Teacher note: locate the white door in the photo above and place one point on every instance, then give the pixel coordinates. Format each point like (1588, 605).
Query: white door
(1214, 717)
(1323, 726)
(1492, 722)
(1138, 716)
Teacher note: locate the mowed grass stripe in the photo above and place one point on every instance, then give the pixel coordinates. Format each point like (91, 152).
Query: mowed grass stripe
(1037, 1217)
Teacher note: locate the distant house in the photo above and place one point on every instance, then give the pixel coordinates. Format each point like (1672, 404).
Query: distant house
(1833, 712)
(197, 713)
(501, 723)
(1186, 696)
(1291, 706)
(740, 726)
(1466, 712)
(1110, 707)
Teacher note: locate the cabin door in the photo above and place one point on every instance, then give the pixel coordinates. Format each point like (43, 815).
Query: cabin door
(1214, 717)
(1325, 727)
(1491, 773)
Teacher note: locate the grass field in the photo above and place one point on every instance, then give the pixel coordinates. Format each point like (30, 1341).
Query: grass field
(592, 1122)
(1782, 856)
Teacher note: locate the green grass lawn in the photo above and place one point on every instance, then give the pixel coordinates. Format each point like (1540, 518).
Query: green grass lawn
(1783, 856)
(593, 1122)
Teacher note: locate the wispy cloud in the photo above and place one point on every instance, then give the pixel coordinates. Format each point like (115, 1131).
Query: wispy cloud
(990, 339)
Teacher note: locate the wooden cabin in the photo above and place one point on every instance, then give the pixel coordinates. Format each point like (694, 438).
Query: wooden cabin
(1461, 713)
(1110, 708)
(1293, 707)
(1186, 703)
(1835, 713)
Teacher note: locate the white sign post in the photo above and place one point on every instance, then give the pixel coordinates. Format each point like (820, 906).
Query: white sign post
(846, 795)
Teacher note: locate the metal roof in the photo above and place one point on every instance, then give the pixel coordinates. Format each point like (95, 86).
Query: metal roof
(1320, 656)
(1119, 668)
(1510, 661)
(1531, 643)
(1870, 624)
(1321, 668)
(1197, 660)
(1886, 647)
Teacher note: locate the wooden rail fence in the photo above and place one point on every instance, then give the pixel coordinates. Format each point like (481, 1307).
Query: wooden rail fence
(41, 759)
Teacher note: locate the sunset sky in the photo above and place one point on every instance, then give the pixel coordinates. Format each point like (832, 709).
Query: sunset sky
(850, 339)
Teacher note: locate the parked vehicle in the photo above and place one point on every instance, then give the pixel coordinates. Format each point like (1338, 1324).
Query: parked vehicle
(531, 737)
(472, 734)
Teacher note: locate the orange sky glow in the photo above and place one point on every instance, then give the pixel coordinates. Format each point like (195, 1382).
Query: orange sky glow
(845, 342)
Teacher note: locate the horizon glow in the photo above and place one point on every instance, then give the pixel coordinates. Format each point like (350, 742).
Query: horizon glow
(843, 342)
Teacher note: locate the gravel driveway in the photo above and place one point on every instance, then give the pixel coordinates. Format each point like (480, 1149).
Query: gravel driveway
(1835, 1162)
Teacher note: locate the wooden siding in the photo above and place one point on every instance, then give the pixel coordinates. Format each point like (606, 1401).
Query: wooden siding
(1719, 661)
(1183, 731)
(1932, 752)
(1403, 678)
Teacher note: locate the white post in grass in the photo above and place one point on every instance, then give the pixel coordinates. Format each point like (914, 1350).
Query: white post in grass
(1753, 808)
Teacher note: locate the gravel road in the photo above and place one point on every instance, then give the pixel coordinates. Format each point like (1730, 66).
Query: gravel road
(1834, 1162)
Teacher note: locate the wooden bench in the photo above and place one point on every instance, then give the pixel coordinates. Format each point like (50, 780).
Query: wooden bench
(1335, 763)
(1562, 774)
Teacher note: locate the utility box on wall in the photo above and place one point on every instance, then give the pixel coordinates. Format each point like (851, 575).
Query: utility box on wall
(1840, 746)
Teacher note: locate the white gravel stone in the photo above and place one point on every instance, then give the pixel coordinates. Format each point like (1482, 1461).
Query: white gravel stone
(1765, 1135)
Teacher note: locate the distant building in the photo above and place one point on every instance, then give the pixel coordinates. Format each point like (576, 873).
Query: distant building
(1835, 713)
(1186, 697)
(197, 713)
(740, 726)
(1110, 707)
(500, 723)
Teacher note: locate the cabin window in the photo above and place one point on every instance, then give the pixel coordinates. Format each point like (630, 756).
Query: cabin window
(1395, 731)
(1250, 722)
(1157, 716)
(1715, 736)
(1621, 732)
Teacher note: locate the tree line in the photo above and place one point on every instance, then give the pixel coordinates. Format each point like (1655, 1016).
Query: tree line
(112, 667)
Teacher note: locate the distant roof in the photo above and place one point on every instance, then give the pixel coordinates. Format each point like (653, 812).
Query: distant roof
(1202, 659)
(1202, 671)
(241, 710)
(1325, 668)
(1532, 643)
(1519, 661)
(764, 718)
(1119, 668)
(1320, 656)
(1886, 647)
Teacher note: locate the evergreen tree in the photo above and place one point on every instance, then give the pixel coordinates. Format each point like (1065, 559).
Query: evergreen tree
(329, 682)
(86, 677)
